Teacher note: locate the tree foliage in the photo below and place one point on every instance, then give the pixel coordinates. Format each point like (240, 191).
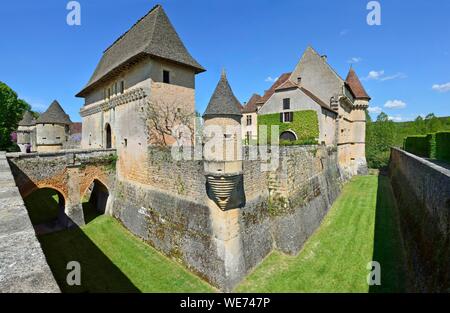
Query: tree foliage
(383, 134)
(11, 112)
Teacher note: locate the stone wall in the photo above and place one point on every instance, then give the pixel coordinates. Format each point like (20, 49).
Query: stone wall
(23, 267)
(422, 190)
(281, 209)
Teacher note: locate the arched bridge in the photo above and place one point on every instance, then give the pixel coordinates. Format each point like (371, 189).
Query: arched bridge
(70, 173)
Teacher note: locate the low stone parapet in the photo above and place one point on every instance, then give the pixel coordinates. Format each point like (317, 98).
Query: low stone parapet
(23, 267)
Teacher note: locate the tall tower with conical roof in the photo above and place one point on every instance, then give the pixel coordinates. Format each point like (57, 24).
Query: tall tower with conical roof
(358, 116)
(52, 128)
(26, 135)
(223, 171)
(223, 146)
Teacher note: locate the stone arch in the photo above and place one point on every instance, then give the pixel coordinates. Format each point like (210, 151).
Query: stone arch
(60, 216)
(98, 194)
(108, 136)
(288, 135)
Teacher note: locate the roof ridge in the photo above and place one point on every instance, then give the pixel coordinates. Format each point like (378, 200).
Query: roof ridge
(137, 22)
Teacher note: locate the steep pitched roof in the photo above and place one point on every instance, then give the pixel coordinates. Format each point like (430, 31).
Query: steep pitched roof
(152, 35)
(223, 100)
(54, 115)
(251, 106)
(27, 119)
(355, 85)
(281, 80)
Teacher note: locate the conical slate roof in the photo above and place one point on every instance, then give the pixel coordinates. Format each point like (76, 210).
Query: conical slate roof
(223, 100)
(27, 119)
(355, 85)
(54, 115)
(152, 35)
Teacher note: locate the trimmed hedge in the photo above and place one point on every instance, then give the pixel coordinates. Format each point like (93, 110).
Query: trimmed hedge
(417, 145)
(443, 146)
(305, 125)
(434, 146)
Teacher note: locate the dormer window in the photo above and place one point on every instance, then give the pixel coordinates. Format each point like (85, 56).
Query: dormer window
(287, 104)
(166, 77)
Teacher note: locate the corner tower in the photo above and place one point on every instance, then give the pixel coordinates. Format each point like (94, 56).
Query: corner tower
(358, 115)
(52, 129)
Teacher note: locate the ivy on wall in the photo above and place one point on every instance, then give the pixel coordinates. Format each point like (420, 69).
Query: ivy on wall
(305, 125)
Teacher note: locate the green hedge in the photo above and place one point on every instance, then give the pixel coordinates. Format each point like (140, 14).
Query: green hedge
(434, 146)
(417, 145)
(305, 125)
(443, 146)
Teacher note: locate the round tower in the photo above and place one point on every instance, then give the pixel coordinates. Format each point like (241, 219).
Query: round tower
(223, 146)
(358, 116)
(26, 133)
(52, 129)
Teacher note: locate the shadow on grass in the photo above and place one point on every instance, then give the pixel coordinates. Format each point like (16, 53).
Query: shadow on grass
(388, 247)
(89, 212)
(98, 273)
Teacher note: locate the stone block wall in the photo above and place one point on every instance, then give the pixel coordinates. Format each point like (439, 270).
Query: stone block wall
(173, 213)
(422, 191)
(23, 267)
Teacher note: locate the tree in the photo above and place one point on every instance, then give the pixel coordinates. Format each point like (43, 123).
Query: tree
(383, 117)
(368, 117)
(430, 116)
(11, 112)
(162, 118)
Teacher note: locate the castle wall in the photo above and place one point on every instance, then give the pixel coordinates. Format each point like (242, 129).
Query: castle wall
(169, 208)
(422, 191)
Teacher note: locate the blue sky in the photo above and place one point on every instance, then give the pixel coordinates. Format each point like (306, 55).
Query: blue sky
(404, 62)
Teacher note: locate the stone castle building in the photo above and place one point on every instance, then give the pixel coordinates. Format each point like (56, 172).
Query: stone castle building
(147, 66)
(314, 85)
(223, 214)
(50, 132)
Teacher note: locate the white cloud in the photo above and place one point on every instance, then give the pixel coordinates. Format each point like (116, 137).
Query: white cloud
(395, 118)
(395, 76)
(395, 104)
(354, 60)
(36, 105)
(270, 79)
(442, 87)
(380, 75)
(343, 32)
(375, 75)
(375, 110)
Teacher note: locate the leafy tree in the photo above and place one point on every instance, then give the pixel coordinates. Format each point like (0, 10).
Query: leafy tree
(430, 116)
(368, 117)
(383, 117)
(11, 112)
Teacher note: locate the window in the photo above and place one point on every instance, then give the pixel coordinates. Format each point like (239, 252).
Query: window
(249, 136)
(115, 88)
(57, 138)
(249, 120)
(286, 117)
(109, 93)
(166, 77)
(287, 104)
(228, 136)
(122, 86)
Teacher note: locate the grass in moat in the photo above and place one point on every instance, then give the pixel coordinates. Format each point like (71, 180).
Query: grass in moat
(111, 259)
(361, 226)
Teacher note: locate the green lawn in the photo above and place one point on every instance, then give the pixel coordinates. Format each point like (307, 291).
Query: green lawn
(360, 227)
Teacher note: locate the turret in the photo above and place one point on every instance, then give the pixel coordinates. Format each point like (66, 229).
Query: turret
(358, 115)
(26, 136)
(52, 128)
(223, 146)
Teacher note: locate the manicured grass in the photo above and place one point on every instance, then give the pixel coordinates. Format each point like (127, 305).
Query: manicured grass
(112, 260)
(360, 227)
